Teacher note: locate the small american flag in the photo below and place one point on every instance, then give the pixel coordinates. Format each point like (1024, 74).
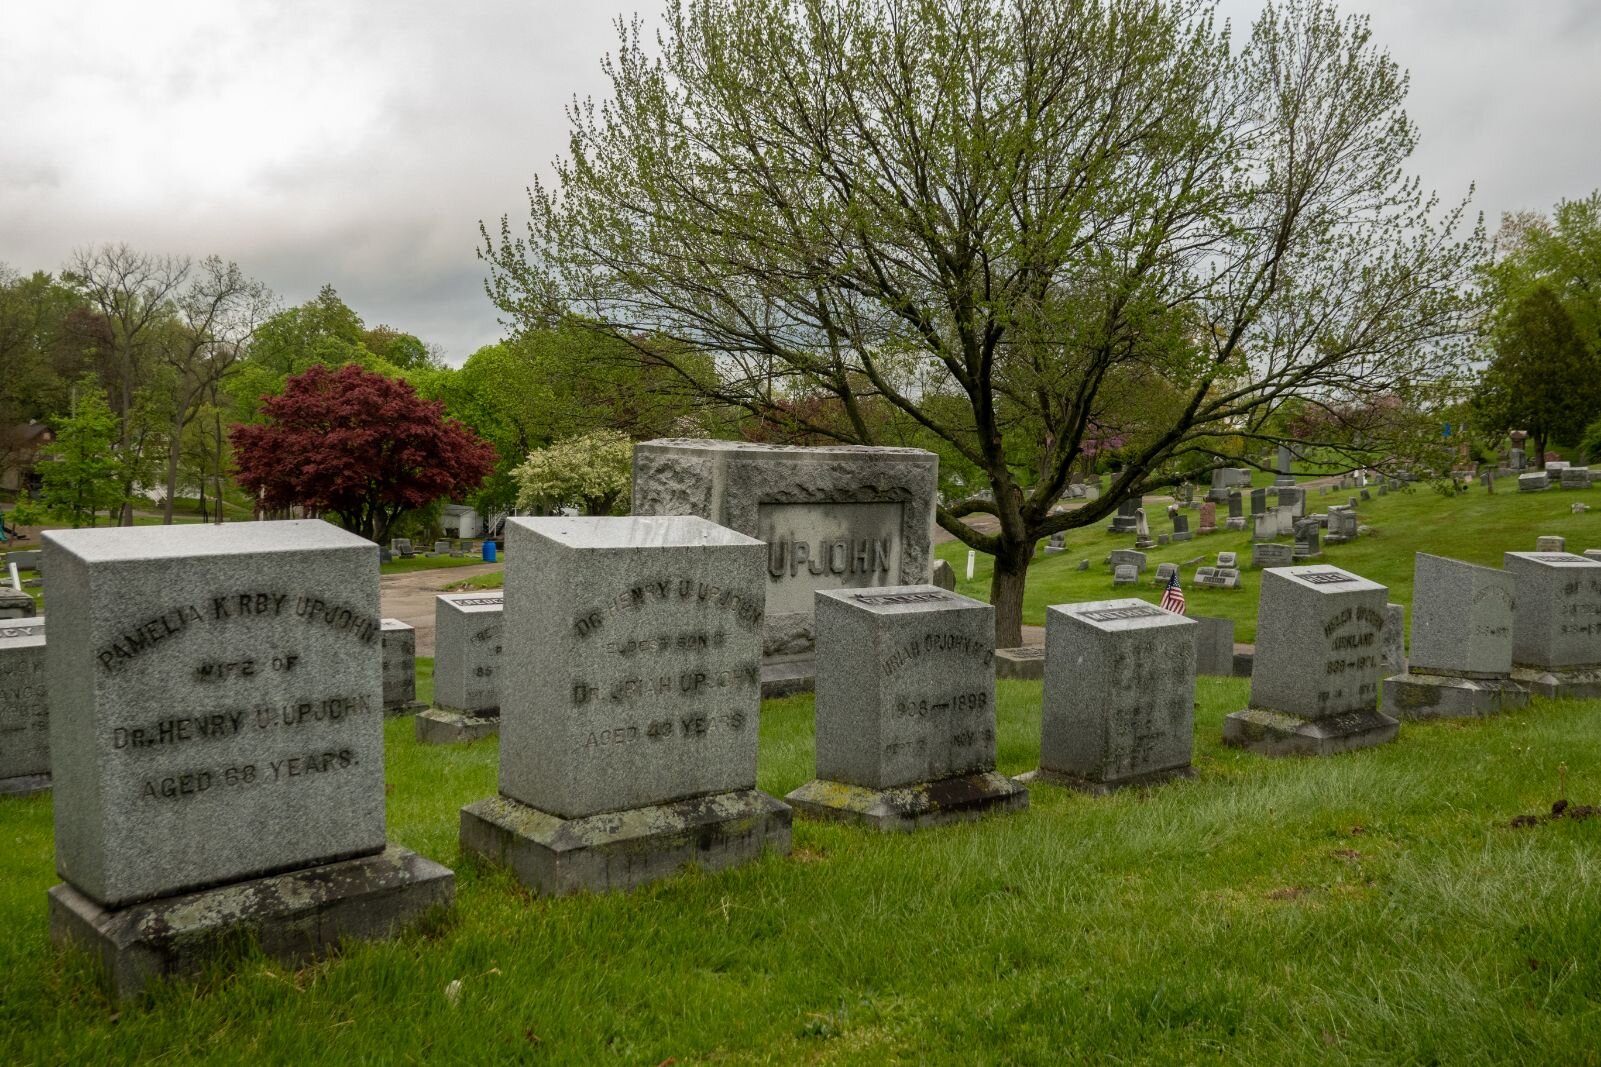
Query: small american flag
(1173, 596)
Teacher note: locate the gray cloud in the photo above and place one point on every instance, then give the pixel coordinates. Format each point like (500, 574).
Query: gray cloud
(360, 143)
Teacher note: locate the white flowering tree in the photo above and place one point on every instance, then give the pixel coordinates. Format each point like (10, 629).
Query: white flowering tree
(592, 471)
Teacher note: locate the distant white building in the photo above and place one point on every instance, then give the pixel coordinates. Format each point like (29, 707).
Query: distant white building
(461, 521)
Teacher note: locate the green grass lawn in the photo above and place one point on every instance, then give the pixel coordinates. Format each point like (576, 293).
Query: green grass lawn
(426, 563)
(1375, 907)
(1476, 526)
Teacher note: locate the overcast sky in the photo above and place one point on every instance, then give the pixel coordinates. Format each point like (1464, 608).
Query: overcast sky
(359, 142)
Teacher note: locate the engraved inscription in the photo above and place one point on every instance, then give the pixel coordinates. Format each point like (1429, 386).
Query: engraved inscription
(1326, 578)
(881, 599)
(481, 602)
(143, 636)
(746, 609)
(827, 546)
(1145, 611)
(959, 644)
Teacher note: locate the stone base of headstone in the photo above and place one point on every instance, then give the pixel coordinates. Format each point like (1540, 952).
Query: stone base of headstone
(623, 849)
(1144, 543)
(1244, 660)
(440, 726)
(1567, 684)
(1284, 481)
(910, 807)
(410, 707)
(1234, 522)
(1183, 536)
(1274, 733)
(788, 678)
(1432, 696)
(27, 785)
(1025, 662)
(295, 917)
(1042, 776)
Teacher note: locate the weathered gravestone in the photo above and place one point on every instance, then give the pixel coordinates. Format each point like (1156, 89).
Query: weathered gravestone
(1392, 650)
(1265, 526)
(1218, 577)
(1461, 660)
(1342, 525)
(400, 668)
(944, 574)
(24, 709)
(1236, 516)
(1127, 518)
(401, 546)
(630, 704)
(905, 711)
(1293, 499)
(833, 518)
(1057, 543)
(1025, 661)
(1228, 559)
(1130, 557)
(1551, 543)
(1214, 645)
(468, 631)
(1314, 680)
(31, 559)
(1119, 696)
(1306, 539)
(1125, 574)
(1283, 476)
(1258, 501)
(1164, 573)
(1556, 623)
(217, 747)
(441, 548)
(15, 604)
(1181, 528)
(1208, 522)
(1271, 555)
(1533, 481)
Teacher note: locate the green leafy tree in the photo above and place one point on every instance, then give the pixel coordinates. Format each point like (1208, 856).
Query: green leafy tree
(593, 471)
(82, 475)
(1030, 228)
(1543, 379)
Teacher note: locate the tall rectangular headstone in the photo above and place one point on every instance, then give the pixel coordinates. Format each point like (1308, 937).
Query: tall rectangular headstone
(630, 704)
(1259, 501)
(468, 630)
(24, 709)
(216, 731)
(1556, 623)
(1214, 645)
(1315, 677)
(847, 517)
(400, 668)
(1119, 696)
(1282, 467)
(1461, 657)
(905, 710)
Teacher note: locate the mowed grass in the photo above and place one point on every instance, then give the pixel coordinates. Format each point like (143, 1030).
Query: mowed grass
(1475, 526)
(1372, 907)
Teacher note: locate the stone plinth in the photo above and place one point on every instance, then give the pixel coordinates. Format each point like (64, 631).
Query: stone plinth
(1026, 661)
(1556, 623)
(905, 711)
(216, 699)
(632, 698)
(1119, 696)
(1315, 674)
(400, 668)
(24, 709)
(833, 518)
(1461, 659)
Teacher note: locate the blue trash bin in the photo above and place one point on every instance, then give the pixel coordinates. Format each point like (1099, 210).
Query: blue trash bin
(489, 552)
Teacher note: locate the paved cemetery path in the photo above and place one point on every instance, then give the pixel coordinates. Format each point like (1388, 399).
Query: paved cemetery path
(409, 597)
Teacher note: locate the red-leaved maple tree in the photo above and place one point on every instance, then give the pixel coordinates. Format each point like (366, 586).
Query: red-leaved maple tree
(359, 446)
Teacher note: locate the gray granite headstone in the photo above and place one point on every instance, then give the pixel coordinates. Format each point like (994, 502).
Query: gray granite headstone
(1315, 678)
(905, 710)
(400, 668)
(216, 732)
(1181, 527)
(630, 704)
(1266, 554)
(468, 632)
(1214, 645)
(1556, 623)
(1258, 501)
(15, 604)
(1282, 467)
(1461, 656)
(1533, 481)
(944, 574)
(847, 517)
(1551, 543)
(1130, 557)
(1124, 574)
(1119, 696)
(24, 709)
(1025, 661)
(1127, 518)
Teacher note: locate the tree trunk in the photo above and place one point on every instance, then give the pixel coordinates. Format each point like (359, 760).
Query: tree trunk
(174, 446)
(1539, 450)
(1006, 591)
